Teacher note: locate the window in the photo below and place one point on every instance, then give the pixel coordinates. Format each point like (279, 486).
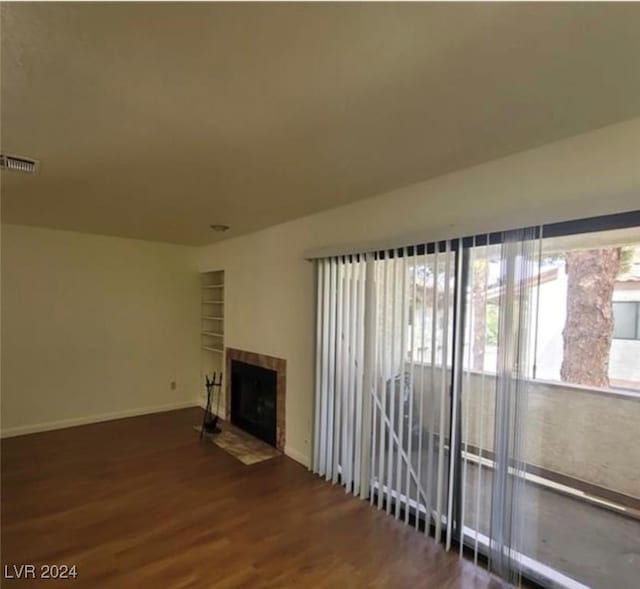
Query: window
(626, 320)
(579, 280)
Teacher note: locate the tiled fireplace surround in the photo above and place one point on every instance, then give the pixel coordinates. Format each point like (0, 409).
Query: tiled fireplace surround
(272, 363)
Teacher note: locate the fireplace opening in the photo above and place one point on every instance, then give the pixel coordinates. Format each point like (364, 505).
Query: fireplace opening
(254, 400)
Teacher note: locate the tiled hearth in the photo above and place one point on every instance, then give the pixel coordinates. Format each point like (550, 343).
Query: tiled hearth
(272, 363)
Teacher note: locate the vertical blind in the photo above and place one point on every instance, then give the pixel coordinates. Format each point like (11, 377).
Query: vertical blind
(399, 337)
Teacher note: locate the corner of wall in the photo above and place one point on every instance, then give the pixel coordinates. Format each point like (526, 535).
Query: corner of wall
(298, 456)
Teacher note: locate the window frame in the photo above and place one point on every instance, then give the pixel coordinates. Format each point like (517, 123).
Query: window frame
(635, 321)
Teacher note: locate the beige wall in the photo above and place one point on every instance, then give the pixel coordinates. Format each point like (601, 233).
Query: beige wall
(94, 327)
(270, 287)
(575, 431)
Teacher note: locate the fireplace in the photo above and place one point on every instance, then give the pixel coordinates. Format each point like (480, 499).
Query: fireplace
(254, 400)
(255, 394)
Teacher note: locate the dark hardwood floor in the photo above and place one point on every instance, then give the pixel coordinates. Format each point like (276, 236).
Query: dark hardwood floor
(142, 503)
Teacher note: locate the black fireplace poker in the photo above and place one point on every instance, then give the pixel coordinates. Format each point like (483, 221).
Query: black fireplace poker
(210, 419)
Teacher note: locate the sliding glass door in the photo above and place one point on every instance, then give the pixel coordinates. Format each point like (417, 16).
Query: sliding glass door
(487, 390)
(572, 518)
(414, 295)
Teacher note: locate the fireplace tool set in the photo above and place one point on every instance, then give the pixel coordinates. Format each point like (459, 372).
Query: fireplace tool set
(210, 420)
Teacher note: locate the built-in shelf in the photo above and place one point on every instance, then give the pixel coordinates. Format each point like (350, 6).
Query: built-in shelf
(210, 349)
(212, 334)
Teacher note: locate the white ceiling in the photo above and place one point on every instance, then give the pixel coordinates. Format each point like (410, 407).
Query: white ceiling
(156, 120)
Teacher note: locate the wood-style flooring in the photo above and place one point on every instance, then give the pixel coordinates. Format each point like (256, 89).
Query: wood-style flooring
(142, 503)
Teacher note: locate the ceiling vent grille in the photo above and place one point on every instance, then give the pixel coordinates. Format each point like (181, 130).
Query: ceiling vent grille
(18, 164)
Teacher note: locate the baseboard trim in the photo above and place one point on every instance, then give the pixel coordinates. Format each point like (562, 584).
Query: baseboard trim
(297, 456)
(65, 423)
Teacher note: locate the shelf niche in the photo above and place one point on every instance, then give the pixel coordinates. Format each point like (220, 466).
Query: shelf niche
(212, 324)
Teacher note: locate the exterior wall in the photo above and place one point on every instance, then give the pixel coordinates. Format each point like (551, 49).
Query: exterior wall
(624, 361)
(551, 320)
(584, 433)
(625, 354)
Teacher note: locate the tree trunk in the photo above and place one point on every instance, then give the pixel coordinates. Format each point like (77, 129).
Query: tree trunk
(587, 333)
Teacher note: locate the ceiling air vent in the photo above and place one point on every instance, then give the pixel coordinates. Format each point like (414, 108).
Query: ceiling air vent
(18, 164)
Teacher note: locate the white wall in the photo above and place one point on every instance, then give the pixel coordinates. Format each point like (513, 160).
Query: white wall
(270, 286)
(94, 328)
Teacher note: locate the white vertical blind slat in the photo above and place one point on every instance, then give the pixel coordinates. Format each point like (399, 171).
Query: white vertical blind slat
(382, 379)
(330, 396)
(400, 389)
(331, 366)
(432, 387)
(319, 358)
(359, 381)
(368, 367)
(457, 358)
(410, 461)
(381, 358)
(325, 368)
(351, 373)
(344, 385)
(337, 345)
(443, 395)
(466, 392)
(373, 312)
(390, 390)
(422, 389)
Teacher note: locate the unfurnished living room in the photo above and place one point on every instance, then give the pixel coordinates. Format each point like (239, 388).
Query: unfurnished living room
(320, 295)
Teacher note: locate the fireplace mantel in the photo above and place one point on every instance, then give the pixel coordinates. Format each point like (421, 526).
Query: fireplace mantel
(272, 363)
